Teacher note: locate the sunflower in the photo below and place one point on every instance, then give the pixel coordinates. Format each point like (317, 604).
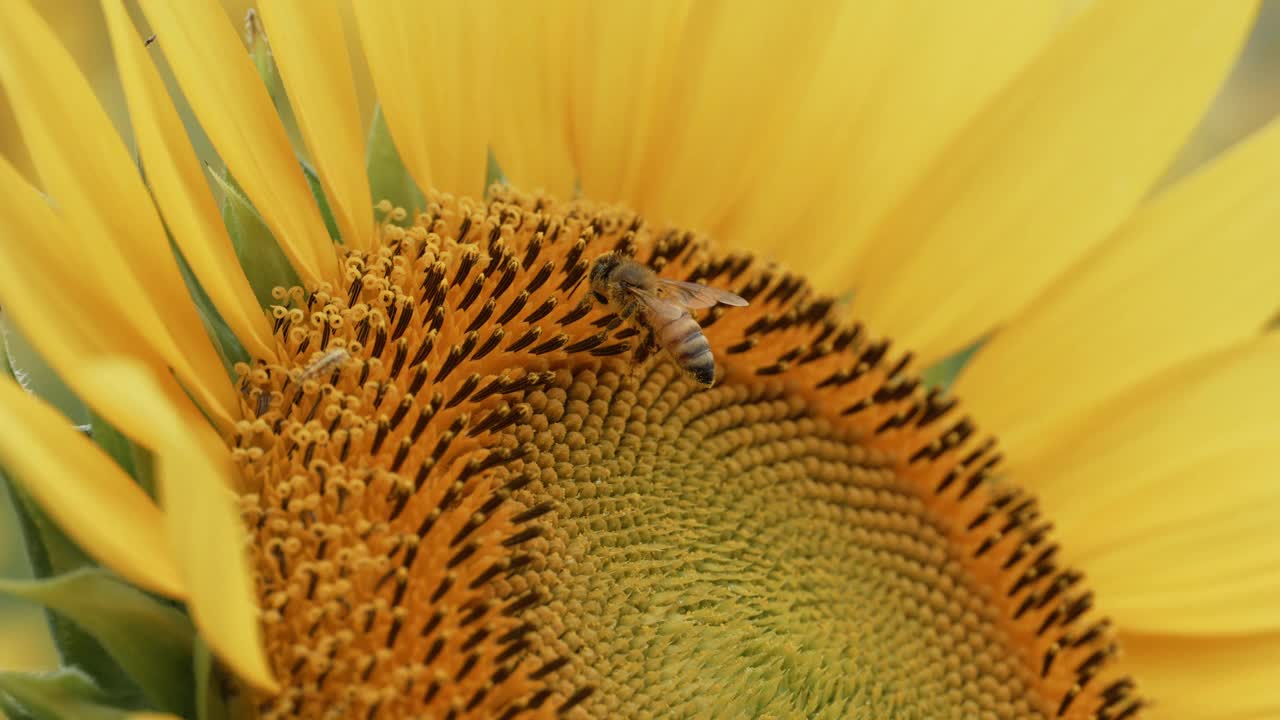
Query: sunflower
(367, 440)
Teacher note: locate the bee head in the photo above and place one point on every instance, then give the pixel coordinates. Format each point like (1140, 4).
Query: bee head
(601, 270)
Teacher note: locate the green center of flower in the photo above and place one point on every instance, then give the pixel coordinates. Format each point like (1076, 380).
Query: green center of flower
(468, 497)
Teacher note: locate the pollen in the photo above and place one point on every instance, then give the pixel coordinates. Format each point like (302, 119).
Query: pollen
(468, 495)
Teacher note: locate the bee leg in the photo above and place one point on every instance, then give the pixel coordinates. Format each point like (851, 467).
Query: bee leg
(643, 353)
(647, 347)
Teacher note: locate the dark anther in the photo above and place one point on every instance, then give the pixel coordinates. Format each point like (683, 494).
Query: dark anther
(473, 293)
(461, 556)
(544, 274)
(482, 317)
(576, 699)
(587, 343)
(533, 513)
(610, 350)
(514, 308)
(578, 312)
(549, 668)
(542, 310)
(523, 536)
(555, 343)
(464, 391)
(504, 281)
(467, 261)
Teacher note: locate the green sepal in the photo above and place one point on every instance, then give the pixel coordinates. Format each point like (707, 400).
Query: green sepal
(944, 372)
(210, 704)
(49, 550)
(230, 349)
(61, 695)
(265, 63)
(149, 639)
(264, 263)
(12, 710)
(131, 457)
(26, 365)
(388, 177)
(317, 192)
(493, 174)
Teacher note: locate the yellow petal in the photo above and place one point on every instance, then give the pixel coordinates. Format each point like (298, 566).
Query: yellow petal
(311, 51)
(219, 81)
(1166, 495)
(432, 67)
(65, 327)
(85, 492)
(899, 79)
(1218, 678)
(115, 230)
(200, 516)
(732, 74)
(621, 58)
(1206, 546)
(180, 189)
(531, 127)
(83, 35)
(1046, 171)
(1194, 270)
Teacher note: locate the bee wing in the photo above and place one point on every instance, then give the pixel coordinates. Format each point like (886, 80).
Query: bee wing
(696, 295)
(661, 307)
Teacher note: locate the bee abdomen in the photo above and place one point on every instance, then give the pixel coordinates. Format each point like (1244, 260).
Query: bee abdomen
(702, 368)
(691, 348)
(693, 354)
(683, 338)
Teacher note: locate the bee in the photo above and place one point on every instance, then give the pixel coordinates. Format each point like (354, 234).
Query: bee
(660, 307)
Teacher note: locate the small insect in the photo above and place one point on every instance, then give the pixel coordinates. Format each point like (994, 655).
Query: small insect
(332, 359)
(661, 307)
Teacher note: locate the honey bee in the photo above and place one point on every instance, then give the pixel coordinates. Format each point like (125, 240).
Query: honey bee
(660, 307)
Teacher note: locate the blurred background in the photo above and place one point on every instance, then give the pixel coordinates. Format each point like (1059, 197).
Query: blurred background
(1250, 97)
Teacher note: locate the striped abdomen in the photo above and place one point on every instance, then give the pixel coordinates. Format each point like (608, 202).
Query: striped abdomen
(683, 338)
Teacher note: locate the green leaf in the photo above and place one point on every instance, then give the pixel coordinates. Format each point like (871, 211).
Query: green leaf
(261, 258)
(493, 174)
(388, 177)
(317, 191)
(35, 374)
(61, 695)
(150, 640)
(50, 553)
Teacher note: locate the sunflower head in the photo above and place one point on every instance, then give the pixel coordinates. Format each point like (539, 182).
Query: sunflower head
(465, 490)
